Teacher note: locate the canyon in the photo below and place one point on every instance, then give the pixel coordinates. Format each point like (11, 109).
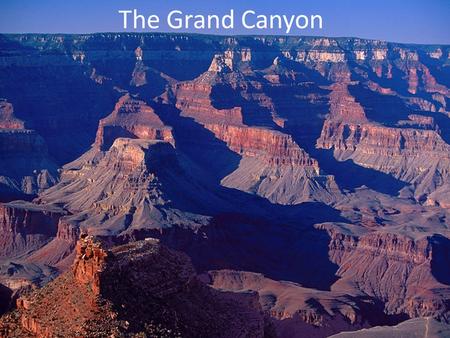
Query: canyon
(217, 186)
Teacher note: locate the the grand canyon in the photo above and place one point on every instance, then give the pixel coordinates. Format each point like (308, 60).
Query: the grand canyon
(177, 185)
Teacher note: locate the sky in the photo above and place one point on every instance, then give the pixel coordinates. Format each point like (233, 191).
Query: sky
(407, 21)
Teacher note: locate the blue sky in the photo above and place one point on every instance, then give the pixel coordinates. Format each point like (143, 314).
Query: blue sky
(418, 21)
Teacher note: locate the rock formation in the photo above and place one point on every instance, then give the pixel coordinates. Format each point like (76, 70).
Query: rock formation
(321, 165)
(411, 281)
(142, 288)
(131, 118)
(26, 227)
(126, 189)
(7, 118)
(272, 164)
(25, 165)
(410, 151)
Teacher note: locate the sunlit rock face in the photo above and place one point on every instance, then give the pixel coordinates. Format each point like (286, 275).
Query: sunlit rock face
(133, 119)
(307, 177)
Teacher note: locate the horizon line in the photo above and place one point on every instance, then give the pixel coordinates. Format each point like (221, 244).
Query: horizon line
(231, 35)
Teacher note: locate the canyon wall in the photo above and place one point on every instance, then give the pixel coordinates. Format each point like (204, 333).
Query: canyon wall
(241, 152)
(26, 227)
(403, 271)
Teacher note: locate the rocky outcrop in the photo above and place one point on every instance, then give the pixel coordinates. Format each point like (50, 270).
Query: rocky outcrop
(343, 106)
(109, 292)
(131, 118)
(274, 166)
(67, 231)
(273, 146)
(7, 118)
(193, 99)
(89, 263)
(139, 75)
(221, 63)
(130, 187)
(389, 141)
(409, 147)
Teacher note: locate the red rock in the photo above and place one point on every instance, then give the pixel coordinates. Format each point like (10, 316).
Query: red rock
(275, 147)
(7, 118)
(89, 263)
(193, 99)
(109, 292)
(134, 119)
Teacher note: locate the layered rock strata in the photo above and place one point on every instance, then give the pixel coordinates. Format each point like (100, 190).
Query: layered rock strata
(407, 274)
(26, 227)
(131, 118)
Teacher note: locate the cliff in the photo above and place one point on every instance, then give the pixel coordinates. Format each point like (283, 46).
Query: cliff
(405, 272)
(26, 227)
(108, 292)
(193, 99)
(270, 159)
(415, 156)
(25, 165)
(230, 149)
(273, 146)
(274, 166)
(131, 118)
(131, 187)
(410, 147)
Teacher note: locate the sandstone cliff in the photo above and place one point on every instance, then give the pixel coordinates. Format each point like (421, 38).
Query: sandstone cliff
(109, 292)
(131, 118)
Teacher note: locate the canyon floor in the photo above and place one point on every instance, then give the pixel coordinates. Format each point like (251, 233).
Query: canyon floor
(176, 185)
